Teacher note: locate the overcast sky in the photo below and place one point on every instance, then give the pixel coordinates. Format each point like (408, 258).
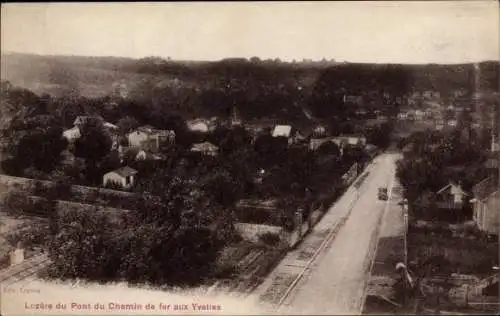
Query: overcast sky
(396, 32)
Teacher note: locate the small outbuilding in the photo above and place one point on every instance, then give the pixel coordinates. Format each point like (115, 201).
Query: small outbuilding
(123, 177)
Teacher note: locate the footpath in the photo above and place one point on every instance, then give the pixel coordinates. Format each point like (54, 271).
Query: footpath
(388, 252)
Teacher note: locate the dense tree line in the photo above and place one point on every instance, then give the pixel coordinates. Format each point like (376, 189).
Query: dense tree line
(258, 88)
(39, 144)
(437, 158)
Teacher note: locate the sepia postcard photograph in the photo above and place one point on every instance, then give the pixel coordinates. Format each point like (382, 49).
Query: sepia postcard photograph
(250, 158)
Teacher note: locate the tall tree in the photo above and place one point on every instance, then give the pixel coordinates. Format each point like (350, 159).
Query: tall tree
(180, 223)
(127, 124)
(237, 138)
(93, 145)
(36, 142)
(270, 150)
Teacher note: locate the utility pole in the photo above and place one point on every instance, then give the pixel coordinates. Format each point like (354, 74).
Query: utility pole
(405, 218)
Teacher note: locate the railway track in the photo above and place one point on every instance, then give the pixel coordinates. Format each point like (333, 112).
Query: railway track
(360, 186)
(331, 235)
(24, 270)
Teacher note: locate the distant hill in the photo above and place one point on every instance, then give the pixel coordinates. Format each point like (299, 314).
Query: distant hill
(56, 75)
(257, 88)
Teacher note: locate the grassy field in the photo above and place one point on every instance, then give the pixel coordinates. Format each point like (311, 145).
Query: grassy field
(459, 261)
(463, 255)
(389, 253)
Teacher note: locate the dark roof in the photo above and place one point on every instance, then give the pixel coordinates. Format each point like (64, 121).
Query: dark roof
(125, 171)
(486, 187)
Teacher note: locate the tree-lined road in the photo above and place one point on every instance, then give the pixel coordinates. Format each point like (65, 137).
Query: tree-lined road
(335, 283)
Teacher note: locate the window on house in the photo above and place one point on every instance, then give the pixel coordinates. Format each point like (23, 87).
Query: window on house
(127, 180)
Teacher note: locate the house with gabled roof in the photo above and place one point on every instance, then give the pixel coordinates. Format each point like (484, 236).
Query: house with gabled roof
(352, 140)
(82, 119)
(451, 196)
(74, 133)
(123, 177)
(292, 134)
(198, 125)
(148, 138)
(205, 148)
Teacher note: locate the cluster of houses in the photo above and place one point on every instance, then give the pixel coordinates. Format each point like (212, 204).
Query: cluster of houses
(319, 136)
(430, 108)
(145, 142)
(427, 95)
(410, 99)
(441, 118)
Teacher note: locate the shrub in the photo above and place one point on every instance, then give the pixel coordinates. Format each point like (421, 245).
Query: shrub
(4, 261)
(430, 228)
(112, 185)
(39, 188)
(288, 223)
(97, 246)
(17, 202)
(270, 239)
(30, 236)
(44, 207)
(61, 190)
(236, 238)
(92, 195)
(470, 229)
(463, 254)
(225, 271)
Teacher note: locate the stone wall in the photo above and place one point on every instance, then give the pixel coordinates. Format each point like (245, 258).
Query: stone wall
(26, 183)
(252, 232)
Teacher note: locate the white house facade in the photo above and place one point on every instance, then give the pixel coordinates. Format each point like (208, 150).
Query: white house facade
(72, 134)
(123, 176)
